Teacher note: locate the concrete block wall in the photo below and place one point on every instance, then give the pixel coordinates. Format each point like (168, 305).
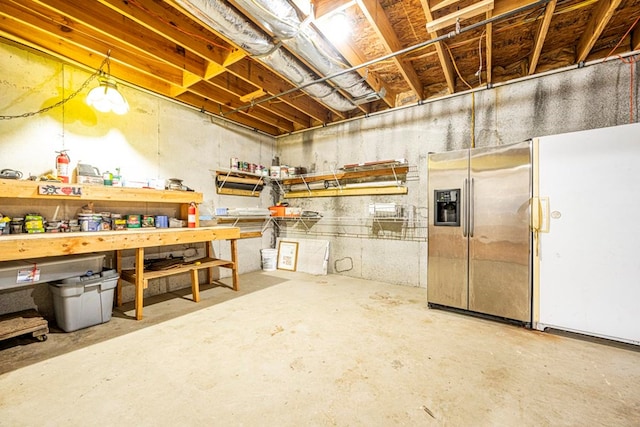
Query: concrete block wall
(595, 96)
(156, 140)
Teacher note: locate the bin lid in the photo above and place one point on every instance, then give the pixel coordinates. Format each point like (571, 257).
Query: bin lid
(110, 274)
(80, 280)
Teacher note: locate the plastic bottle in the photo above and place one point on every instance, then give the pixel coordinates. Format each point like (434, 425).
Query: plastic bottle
(116, 182)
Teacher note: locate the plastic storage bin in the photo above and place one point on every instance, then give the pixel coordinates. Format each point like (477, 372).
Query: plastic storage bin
(84, 301)
(39, 270)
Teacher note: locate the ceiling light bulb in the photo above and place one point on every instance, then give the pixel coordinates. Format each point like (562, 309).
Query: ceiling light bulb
(339, 26)
(106, 97)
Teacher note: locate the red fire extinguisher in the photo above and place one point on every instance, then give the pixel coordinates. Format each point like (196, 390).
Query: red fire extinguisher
(62, 166)
(191, 221)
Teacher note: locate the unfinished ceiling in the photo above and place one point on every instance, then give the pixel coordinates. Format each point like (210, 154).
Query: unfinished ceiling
(274, 66)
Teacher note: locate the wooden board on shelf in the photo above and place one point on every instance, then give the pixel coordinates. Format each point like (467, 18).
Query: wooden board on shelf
(333, 192)
(237, 192)
(240, 180)
(341, 175)
(130, 275)
(21, 189)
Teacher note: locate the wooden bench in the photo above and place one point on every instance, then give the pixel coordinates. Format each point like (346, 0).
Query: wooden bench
(191, 267)
(140, 277)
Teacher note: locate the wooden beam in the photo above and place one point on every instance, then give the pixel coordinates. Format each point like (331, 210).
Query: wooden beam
(445, 61)
(113, 26)
(30, 24)
(355, 56)
(63, 49)
(599, 19)
(174, 27)
(541, 35)
(231, 101)
(468, 12)
(504, 6)
(380, 23)
(212, 69)
(322, 8)
(252, 70)
(442, 4)
(234, 56)
(253, 95)
(216, 109)
(635, 39)
(333, 192)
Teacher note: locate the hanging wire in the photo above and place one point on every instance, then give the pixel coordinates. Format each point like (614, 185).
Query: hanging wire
(631, 61)
(64, 100)
(480, 56)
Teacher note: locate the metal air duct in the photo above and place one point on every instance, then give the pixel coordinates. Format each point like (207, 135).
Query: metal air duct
(281, 18)
(228, 22)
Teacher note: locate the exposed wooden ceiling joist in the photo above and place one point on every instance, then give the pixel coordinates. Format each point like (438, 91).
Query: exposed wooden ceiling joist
(159, 46)
(443, 57)
(381, 25)
(599, 19)
(541, 35)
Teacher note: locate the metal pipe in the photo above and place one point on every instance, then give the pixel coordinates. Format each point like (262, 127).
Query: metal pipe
(393, 54)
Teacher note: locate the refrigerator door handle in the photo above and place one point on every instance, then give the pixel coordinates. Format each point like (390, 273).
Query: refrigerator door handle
(465, 224)
(471, 208)
(544, 214)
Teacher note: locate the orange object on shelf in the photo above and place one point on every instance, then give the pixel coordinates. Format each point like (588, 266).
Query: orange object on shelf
(277, 210)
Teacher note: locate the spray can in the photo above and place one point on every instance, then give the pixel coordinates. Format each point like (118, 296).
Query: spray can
(62, 166)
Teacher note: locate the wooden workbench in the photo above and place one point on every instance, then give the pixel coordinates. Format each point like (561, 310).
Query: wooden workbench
(27, 246)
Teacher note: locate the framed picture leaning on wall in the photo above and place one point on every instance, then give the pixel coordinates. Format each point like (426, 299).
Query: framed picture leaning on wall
(287, 255)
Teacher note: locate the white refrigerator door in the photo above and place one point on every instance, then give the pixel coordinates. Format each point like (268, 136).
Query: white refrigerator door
(589, 261)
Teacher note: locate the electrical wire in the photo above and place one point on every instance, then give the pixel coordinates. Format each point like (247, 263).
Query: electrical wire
(480, 56)
(173, 25)
(453, 61)
(631, 61)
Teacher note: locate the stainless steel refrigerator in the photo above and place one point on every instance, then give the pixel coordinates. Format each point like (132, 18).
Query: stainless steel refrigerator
(479, 245)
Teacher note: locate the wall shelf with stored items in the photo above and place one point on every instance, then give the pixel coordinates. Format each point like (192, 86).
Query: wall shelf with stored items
(391, 228)
(384, 221)
(238, 183)
(354, 181)
(250, 226)
(20, 189)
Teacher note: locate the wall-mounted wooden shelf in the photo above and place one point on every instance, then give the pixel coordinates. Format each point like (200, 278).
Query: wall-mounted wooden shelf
(11, 188)
(356, 182)
(342, 175)
(237, 183)
(334, 192)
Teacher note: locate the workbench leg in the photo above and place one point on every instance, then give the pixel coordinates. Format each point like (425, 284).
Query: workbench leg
(195, 285)
(139, 282)
(119, 270)
(234, 260)
(210, 269)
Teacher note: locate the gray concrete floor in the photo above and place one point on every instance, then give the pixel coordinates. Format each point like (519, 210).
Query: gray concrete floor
(294, 349)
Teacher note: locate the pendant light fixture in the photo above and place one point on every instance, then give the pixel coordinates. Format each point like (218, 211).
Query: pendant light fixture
(106, 97)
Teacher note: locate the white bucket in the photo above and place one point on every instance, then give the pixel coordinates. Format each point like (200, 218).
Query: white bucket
(269, 258)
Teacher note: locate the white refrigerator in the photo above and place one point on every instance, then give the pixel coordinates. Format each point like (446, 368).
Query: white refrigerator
(586, 221)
